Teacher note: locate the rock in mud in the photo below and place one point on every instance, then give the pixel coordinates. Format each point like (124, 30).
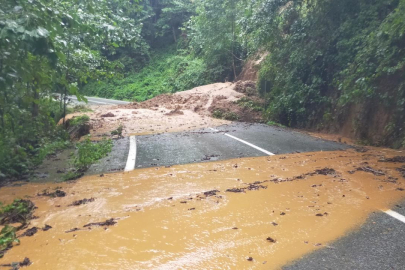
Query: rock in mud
(80, 202)
(108, 222)
(30, 232)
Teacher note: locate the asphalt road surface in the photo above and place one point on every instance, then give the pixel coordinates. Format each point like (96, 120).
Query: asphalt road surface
(96, 101)
(236, 140)
(378, 245)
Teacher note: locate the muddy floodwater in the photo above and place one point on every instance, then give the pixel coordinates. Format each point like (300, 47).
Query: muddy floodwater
(251, 213)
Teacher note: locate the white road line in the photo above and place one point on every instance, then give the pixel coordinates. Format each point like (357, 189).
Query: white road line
(395, 215)
(131, 154)
(247, 143)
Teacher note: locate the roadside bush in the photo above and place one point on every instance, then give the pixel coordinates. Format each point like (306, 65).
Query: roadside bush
(79, 120)
(89, 152)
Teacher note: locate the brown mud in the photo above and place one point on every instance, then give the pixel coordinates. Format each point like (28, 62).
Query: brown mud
(182, 216)
(182, 111)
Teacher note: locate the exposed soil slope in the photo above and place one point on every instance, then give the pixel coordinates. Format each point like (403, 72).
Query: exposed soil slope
(181, 111)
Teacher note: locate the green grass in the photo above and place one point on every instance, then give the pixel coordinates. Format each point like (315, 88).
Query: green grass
(272, 123)
(167, 72)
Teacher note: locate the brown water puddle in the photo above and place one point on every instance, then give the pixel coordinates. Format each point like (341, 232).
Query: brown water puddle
(164, 221)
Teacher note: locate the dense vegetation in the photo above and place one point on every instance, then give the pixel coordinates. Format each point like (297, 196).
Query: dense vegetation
(331, 64)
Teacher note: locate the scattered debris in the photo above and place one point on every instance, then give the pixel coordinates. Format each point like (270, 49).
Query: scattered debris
(250, 259)
(30, 232)
(17, 265)
(399, 159)
(108, 222)
(73, 230)
(191, 208)
(402, 171)
(176, 111)
(324, 171)
(211, 193)
(183, 202)
(234, 228)
(80, 202)
(400, 189)
(46, 228)
(282, 214)
(271, 240)
(319, 215)
(361, 149)
(56, 193)
(256, 187)
(20, 211)
(207, 157)
(235, 190)
(370, 170)
(109, 114)
(274, 224)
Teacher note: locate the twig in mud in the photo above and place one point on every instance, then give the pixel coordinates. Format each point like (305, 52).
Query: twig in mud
(108, 222)
(80, 202)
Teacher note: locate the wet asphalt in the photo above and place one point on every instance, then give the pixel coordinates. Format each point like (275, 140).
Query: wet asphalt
(96, 101)
(206, 145)
(379, 244)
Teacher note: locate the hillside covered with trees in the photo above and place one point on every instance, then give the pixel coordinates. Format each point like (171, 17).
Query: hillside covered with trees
(331, 65)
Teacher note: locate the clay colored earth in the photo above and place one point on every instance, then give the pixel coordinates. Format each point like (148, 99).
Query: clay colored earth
(183, 217)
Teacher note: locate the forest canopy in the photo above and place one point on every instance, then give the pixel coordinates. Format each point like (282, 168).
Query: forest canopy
(327, 61)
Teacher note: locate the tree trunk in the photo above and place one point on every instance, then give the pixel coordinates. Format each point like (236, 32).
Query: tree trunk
(35, 107)
(233, 43)
(174, 34)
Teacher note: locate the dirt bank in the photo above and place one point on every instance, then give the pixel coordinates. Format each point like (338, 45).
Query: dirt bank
(190, 216)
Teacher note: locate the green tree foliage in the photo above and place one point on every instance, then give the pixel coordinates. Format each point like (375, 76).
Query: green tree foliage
(167, 72)
(216, 36)
(51, 47)
(327, 56)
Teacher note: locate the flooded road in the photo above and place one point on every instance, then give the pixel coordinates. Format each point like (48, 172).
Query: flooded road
(260, 213)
